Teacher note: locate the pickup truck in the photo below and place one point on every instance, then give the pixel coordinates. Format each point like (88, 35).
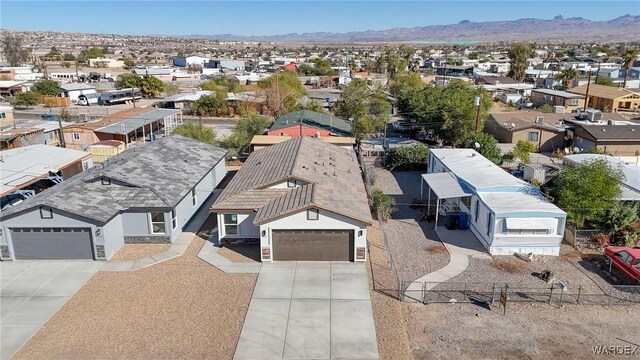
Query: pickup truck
(626, 260)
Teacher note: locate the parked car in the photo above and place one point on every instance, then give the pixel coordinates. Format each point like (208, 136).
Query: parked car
(626, 260)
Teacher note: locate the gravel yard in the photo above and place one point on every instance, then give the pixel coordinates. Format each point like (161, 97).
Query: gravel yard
(138, 251)
(180, 308)
(538, 331)
(388, 312)
(241, 253)
(413, 243)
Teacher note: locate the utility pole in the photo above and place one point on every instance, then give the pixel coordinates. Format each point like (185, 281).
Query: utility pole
(61, 133)
(476, 102)
(598, 72)
(586, 94)
(444, 77)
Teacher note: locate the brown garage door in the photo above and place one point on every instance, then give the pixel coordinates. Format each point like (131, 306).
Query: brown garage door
(312, 245)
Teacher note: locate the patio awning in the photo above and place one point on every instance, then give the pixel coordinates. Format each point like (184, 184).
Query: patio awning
(445, 185)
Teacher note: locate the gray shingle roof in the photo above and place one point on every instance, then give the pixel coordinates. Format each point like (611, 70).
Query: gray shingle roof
(155, 175)
(331, 176)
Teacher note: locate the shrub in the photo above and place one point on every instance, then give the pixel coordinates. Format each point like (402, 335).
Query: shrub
(412, 157)
(383, 205)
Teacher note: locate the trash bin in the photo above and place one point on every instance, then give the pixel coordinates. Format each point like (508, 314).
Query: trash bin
(452, 219)
(463, 221)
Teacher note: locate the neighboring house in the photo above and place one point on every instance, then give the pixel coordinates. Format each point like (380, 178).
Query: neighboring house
(569, 101)
(72, 91)
(103, 150)
(51, 130)
(17, 137)
(505, 213)
(143, 195)
(495, 80)
(225, 64)
(609, 98)
(186, 61)
(309, 123)
(12, 87)
(6, 115)
(182, 100)
(546, 131)
(28, 170)
(630, 186)
(106, 63)
(302, 199)
(126, 126)
(617, 140)
(262, 141)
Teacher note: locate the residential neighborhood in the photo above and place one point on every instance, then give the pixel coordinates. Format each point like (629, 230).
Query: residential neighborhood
(352, 187)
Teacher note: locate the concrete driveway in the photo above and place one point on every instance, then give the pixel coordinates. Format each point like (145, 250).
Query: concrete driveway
(309, 310)
(31, 292)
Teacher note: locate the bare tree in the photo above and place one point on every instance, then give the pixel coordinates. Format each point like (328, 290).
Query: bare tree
(13, 49)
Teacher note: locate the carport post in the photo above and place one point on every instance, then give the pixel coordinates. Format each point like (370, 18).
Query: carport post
(421, 184)
(429, 202)
(435, 227)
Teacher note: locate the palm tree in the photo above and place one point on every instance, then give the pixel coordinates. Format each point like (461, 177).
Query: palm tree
(628, 58)
(567, 76)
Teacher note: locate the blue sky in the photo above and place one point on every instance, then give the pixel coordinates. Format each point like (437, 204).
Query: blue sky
(277, 17)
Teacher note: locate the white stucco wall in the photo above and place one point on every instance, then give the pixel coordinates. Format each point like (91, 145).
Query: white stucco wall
(326, 221)
(246, 229)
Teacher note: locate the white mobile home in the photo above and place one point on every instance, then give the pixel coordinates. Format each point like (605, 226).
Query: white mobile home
(505, 213)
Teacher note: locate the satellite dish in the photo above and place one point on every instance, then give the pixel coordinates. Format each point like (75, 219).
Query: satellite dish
(477, 145)
(576, 149)
(566, 151)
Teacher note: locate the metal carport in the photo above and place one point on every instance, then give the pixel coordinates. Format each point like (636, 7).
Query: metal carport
(445, 186)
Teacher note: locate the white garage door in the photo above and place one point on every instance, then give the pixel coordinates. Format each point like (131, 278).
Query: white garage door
(52, 243)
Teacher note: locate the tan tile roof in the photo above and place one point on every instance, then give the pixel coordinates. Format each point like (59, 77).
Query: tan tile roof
(601, 91)
(331, 174)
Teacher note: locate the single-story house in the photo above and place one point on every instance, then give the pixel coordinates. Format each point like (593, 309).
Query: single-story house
(546, 131)
(28, 170)
(302, 199)
(630, 186)
(609, 98)
(6, 115)
(310, 123)
(618, 140)
(73, 90)
(12, 87)
(506, 214)
(143, 195)
(569, 101)
(23, 136)
(182, 100)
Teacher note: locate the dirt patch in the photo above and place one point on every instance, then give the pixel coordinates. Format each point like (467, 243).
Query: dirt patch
(388, 312)
(436, 249)
(138, 251)
(538, 331)
(180, 308)
(510, 266)
(241, 253)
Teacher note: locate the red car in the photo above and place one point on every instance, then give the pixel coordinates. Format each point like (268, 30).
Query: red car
(625, 259)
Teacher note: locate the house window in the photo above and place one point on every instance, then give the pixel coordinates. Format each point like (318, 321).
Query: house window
(3, 116)
(157, 223)
(46, 213)
(533, 136)
(313, 214)
(174, 219)
(231, 224)
(574, 101)
(194, 199)
(85, 166)
(105, 181)
(76, 136)
(489, 221)
(477, 209)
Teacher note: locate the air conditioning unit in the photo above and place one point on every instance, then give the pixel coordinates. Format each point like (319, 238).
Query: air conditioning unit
(539, 119)
(594, 116)
(558, 109)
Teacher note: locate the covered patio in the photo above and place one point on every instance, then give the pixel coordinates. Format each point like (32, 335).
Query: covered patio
(444, 186)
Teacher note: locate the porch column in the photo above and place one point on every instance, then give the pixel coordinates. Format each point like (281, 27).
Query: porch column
(421, 184)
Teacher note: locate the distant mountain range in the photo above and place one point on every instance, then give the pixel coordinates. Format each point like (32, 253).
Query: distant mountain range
(559, 29)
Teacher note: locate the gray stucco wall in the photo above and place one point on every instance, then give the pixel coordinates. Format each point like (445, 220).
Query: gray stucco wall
(112, 237)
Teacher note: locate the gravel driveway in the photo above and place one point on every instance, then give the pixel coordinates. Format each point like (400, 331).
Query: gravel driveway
(181, 308)
(413, 243)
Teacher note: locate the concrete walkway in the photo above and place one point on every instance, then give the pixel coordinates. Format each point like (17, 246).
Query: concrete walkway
(31, 292)
(176, 249)
(209, 253)
(309, 310)
(461, 244)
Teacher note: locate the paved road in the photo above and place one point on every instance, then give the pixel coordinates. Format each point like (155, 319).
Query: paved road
(309, 310)
(31, 292)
